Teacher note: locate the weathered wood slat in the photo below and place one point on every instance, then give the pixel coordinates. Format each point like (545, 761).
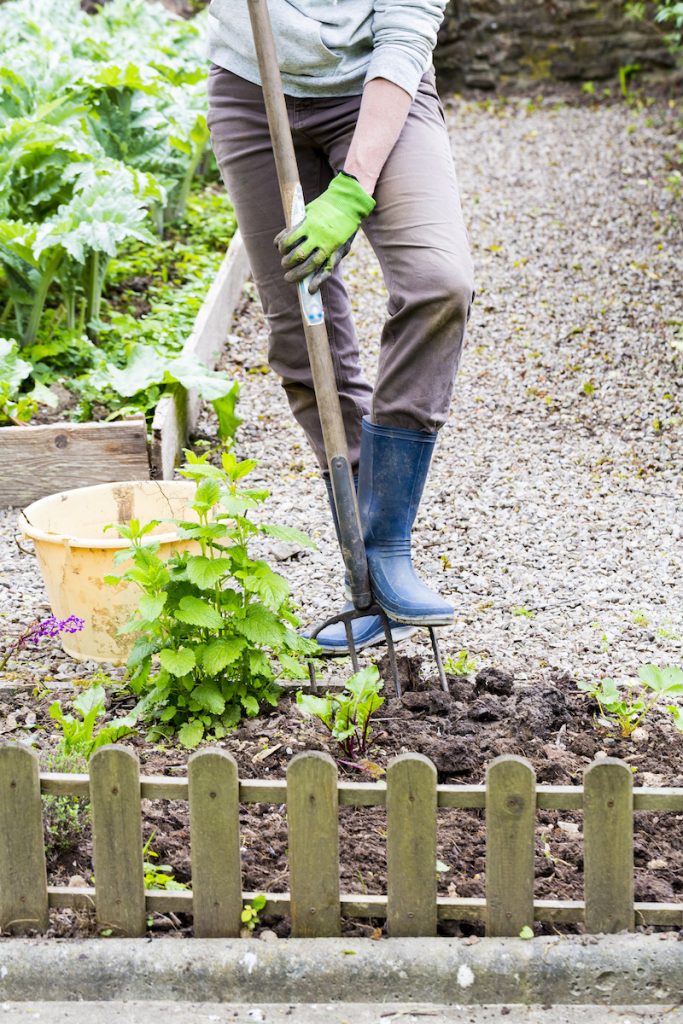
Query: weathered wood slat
(117, 840)
(608, 846)
(40, 460)
(176, 415)
(367, 794)
(510, 819)
(411, 846)
(215, 844)
(23, 877)
(313, 831)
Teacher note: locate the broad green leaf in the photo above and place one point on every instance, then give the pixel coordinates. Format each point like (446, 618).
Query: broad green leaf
(92, 699)
(260, 626)
(664, 680)
(209, 697)
(178, 663)
(150, 608)
(228, 420)
(291, 668)
(191, 734)
(207, 494)
(206, 572)
(288, 534)
(220, 653)
(13, 369)
(259, 666)
(320, 707)
(272, 588)
(196, 612)
(250, 705)
(237, 504)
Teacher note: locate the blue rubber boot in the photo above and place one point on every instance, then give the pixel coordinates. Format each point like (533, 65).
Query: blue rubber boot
(368, 630)
(394, 463)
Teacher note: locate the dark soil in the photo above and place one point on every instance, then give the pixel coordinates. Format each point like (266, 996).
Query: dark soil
(551, 723)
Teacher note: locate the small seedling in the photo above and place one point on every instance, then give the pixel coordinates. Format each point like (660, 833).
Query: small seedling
(626, 704)
(251, 914)
(78, 734)
(347, 715)
(158, 876)
(523, 612)
(461, 665)
(639, 618)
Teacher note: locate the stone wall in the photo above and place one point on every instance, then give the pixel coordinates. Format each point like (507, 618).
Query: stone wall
(487, 44)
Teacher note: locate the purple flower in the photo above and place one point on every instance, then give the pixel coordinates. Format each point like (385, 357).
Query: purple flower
(52, 627)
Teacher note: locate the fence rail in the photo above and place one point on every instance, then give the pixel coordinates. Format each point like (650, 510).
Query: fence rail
(312, 794)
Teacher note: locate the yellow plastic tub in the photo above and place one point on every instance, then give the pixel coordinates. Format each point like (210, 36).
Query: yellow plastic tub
(75, 554)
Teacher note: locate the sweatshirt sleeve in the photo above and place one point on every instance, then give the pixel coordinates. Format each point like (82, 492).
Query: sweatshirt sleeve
(404, 35)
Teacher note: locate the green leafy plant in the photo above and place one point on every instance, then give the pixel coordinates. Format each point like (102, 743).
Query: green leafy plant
(461, 665)
(626, 705)
(213, 621)
(158, 876)
(65, 818)
(347, 715)
(79, 735)
(250, 916)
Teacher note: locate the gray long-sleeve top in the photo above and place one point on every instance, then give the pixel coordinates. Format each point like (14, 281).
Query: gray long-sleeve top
(331, 47)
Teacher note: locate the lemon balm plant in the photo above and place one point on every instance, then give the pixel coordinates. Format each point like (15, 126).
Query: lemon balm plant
(215, 627)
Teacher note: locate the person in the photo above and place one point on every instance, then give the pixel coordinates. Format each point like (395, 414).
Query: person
(373, 153)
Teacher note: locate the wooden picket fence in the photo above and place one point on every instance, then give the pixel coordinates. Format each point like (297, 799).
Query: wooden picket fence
(312, 794)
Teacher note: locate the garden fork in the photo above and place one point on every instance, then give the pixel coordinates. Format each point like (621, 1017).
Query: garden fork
(315, 331)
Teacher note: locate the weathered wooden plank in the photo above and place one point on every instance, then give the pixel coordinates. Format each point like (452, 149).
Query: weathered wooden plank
(608, 846)
(313, 832)
(411, 846)
(510, 819)
(40, 460)
(117, 840)
(175, 416)
(23, 876)
(215, 844)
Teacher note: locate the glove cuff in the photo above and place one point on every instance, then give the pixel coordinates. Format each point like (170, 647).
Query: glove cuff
(351, 193)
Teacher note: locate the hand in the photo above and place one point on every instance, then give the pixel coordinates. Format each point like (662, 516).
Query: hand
(324, 236)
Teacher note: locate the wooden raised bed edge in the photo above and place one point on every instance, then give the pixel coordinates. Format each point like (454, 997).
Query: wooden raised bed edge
(39, 460)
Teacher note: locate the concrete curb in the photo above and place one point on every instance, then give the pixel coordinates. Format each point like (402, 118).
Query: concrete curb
(613, 970)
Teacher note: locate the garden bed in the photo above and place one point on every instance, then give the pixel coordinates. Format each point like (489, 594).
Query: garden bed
(551, 723)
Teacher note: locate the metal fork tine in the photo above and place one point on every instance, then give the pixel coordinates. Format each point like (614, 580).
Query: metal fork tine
(352, 646)
(391, 650)
(439, 662)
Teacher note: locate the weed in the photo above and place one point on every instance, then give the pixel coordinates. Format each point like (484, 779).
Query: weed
(158, 876)
(347, 715)
(251, 914)
(626, 705)
(461, 665)
(78, 733)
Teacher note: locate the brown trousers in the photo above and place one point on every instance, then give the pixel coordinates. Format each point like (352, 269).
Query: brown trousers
(416, 230)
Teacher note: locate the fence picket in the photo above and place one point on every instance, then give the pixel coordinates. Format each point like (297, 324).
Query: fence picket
(510, 820)
(608, 846)
(215, 844)
(313, 828)
(411, 846)
(23, 875)
(117, 840)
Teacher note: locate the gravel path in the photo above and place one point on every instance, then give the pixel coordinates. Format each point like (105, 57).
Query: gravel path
(553, 516)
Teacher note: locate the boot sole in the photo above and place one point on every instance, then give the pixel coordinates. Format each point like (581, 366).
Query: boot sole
(397, 635)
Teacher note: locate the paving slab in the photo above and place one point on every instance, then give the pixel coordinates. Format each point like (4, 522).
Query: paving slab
(329, 1013)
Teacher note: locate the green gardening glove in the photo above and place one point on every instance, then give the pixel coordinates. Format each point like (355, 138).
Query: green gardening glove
(322, 239)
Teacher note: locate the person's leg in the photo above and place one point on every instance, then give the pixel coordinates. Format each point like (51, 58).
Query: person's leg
(241, 142)
(418, 234)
